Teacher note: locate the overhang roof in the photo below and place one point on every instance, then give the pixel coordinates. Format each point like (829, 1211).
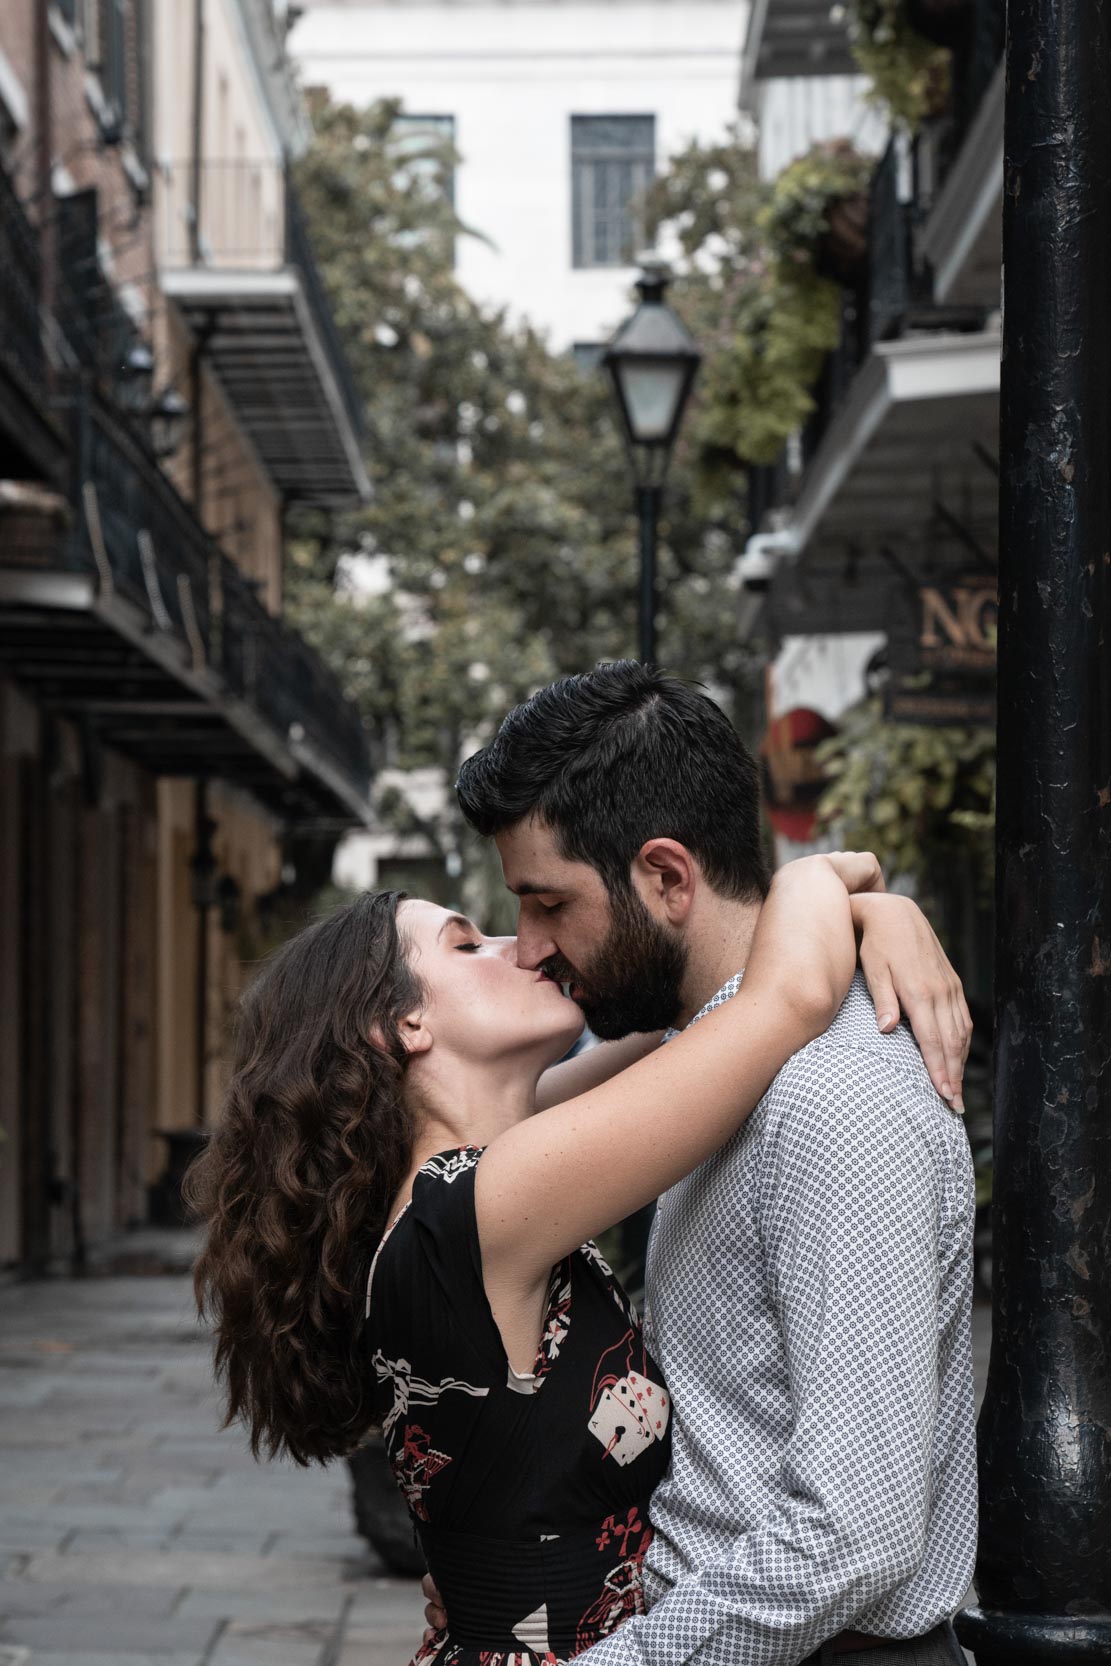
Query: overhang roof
(787, 38)
(264, 345)
(919, 428)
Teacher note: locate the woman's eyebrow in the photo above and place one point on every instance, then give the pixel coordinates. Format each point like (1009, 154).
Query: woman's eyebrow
(458, 920)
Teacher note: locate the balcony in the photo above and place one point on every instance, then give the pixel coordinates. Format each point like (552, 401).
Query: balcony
(118, 611)
(899, 449)
(959, 166)
(236, 259)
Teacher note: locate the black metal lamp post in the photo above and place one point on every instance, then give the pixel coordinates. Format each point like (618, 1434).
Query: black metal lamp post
(652, 360)
(1044, 1569)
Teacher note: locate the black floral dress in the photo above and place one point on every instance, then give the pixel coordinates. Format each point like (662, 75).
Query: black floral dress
(530, 1493)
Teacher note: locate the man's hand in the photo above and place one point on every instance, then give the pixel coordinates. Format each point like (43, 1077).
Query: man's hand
(434, 1611)
(907, 970)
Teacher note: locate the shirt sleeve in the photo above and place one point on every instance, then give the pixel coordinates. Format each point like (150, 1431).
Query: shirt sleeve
(849, 1212)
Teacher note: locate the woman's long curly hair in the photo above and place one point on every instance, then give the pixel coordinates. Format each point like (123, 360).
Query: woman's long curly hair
(313, 1146)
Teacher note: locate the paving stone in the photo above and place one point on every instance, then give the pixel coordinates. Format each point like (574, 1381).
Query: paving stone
(151, 1567)
(122, 1633)
(118, 1538)
(175, 1657)
(308, 1603)
(21, 1596)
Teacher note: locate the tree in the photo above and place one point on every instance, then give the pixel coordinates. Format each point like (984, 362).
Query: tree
(500, 534)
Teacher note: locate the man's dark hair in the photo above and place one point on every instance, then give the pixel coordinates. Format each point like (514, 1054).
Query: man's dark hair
(616, 756)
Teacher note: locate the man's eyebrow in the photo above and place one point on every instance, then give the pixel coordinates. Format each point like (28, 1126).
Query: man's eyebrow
(527, 889)
(458, 920)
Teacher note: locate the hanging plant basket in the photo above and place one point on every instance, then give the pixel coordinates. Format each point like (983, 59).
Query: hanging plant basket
(944, 22)
(842, 252)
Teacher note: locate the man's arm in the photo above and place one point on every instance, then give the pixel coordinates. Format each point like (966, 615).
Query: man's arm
(849, 1218)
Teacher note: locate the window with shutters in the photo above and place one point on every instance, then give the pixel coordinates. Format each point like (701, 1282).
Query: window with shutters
(613, 161)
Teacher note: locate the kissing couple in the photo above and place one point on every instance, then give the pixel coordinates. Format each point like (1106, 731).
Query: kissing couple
(401, 1198)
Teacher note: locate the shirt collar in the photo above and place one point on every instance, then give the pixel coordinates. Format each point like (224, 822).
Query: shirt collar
(726, 993)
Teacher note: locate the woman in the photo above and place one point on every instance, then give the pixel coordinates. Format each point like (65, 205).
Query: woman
(396, 1240)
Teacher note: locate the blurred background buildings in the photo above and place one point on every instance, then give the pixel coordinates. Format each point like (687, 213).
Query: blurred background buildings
(343, 368)
(170, 383)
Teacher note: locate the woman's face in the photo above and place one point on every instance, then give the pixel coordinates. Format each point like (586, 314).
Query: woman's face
(481, 1005)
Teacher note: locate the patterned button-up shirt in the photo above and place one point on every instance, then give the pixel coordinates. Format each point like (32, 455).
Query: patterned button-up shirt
(809, 1301)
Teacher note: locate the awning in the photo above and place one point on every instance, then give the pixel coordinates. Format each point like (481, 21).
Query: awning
(793, 38)
(918, 430)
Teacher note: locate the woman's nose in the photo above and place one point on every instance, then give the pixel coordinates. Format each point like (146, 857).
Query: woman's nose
(507, 948)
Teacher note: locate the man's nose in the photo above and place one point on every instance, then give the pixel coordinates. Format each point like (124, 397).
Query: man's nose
(533, 948)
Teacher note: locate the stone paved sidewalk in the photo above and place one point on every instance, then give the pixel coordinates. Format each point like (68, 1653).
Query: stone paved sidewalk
(134, 1533)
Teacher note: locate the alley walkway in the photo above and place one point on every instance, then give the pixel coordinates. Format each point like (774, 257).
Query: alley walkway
(134, 1533)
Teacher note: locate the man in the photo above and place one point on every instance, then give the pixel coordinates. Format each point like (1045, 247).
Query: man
(808, 1288)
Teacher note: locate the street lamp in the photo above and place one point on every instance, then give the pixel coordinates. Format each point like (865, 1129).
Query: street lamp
(652, 360)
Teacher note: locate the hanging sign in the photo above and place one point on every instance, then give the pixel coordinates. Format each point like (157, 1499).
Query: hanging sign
(952, 635)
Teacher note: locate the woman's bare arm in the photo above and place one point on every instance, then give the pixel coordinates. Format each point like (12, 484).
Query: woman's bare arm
(592, 1068)
(550, 1183)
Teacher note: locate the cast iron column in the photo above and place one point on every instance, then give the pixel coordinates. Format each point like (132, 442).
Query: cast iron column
(648, 514)
(1044, 1572)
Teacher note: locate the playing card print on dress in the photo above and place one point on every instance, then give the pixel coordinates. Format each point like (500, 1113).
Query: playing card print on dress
(628, 1410)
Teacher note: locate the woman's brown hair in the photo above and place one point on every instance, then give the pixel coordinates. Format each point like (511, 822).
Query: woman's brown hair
(313, 1146)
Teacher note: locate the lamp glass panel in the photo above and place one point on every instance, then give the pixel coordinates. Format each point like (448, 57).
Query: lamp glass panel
(651, 391)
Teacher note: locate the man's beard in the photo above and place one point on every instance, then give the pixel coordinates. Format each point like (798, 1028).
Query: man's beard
(633, 982)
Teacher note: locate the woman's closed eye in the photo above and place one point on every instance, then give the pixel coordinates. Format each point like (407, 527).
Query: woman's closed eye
(469, 948)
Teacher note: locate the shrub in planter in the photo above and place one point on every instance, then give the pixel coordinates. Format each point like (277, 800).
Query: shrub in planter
(756, 387)
(817, 214)
(923, 799)
(909, 74)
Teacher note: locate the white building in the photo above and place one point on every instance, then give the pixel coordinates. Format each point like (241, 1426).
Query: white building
(561, 111)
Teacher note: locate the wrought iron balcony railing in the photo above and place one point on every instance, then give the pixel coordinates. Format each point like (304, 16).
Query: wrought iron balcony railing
(21, 344)
(141, 540)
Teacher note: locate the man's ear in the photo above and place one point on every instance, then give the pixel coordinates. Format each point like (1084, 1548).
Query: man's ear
(666, 875)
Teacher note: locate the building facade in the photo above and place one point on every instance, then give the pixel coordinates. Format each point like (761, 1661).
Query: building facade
(561, 111)
(170, 381)
(886, 510)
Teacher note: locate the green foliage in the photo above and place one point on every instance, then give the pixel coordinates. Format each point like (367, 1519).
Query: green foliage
(501, 530)
(922, 798)
(909, 74)
(795, 218)
(752, 294)
(757, 393)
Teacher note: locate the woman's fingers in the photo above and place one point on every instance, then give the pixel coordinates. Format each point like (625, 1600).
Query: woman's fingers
(882, 991)
(858, 870)
(434, 1611)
